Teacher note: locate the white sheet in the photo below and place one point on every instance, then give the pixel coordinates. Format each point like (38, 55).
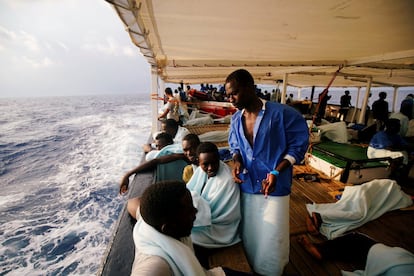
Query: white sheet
(223, 197)
(358, 205)
(386, 261)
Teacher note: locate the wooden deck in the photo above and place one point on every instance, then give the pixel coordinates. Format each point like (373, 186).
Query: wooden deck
(393, 228)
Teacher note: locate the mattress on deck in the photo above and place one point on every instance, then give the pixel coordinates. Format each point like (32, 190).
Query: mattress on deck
(340, 154)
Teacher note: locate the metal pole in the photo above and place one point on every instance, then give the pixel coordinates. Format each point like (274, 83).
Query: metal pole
(284, 90)
(356, 105)
(361, 119)
(154, 99)
(394, 99)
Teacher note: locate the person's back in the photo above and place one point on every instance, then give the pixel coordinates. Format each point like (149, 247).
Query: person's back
(323, 102)
(407, 106)
(346, 100)
(171, 108)
(345, 104)
(380, 111)
(173, 128)
(165, 220)
(403, 122)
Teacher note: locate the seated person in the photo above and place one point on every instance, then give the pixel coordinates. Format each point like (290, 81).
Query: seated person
(190, 143)
(217, 198)
(162, 140)
(175, 130)
(171, 127)
(358, 205)
(377, 258)
(161, 234)
(389, 143)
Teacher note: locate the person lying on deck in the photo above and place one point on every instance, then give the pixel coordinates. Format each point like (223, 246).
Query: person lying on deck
(161, 234)
(358, 205)
(217, 198)
(189, 147)
(377, 258)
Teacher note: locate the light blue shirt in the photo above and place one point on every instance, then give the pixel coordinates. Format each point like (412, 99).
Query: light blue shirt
(280, 132)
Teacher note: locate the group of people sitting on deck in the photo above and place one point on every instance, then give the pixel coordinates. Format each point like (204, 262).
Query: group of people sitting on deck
(219, 206)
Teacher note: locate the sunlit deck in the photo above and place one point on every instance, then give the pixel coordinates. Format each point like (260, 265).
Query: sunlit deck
(393, 228)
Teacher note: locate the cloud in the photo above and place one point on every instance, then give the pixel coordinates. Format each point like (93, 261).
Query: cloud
(7, 35)
(38, 63)
(30, 41)
(62, 45)
(11, 39)
(18, 4)
(109, 46)
(129, 51)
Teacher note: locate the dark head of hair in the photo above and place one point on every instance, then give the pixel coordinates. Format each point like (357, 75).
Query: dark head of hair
(208, 147)
(192, 138)
(242, 78)
(392, 125)
(165, 137)
(382, 95)
(161, 201)
(168, 91)
(347, 92)
(171, 124)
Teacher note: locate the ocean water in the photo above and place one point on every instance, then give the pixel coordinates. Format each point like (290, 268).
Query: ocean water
(61, 159)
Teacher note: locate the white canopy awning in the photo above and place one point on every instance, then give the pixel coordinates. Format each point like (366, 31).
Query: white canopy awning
(203, 41)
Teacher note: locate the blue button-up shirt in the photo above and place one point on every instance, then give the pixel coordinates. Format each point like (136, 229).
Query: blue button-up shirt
(279, 132)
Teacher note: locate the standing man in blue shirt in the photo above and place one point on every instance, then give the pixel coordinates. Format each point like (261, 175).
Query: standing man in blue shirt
(266, 139)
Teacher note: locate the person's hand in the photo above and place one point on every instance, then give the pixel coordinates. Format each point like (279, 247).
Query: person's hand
(123, 188)
(146, 148)
(268, 184)
(237, 167)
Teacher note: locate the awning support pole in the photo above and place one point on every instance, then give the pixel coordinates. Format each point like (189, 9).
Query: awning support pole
(361, 119)
(356, 105)
(284, 90)
(154, 103)
(394, 100)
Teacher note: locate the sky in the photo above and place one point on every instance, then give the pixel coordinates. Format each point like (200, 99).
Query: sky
(67, 47)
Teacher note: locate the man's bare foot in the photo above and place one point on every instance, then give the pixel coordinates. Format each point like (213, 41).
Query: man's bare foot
(309, 247)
